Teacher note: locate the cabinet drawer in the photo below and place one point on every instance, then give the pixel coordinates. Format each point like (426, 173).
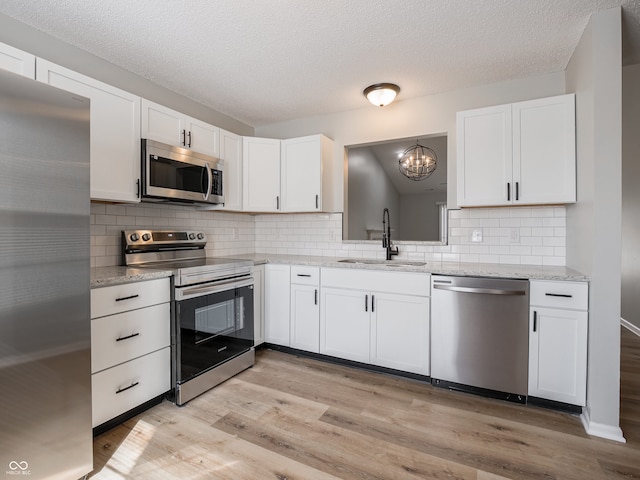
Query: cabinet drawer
(119, 389)
(119, 338)
(129, 296)
(572, 295)
(408, 283)
(304, 275)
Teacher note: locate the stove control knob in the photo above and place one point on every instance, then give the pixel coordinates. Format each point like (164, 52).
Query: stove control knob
(192, 236)
(146, 237)
(134, 237)
(200, 236)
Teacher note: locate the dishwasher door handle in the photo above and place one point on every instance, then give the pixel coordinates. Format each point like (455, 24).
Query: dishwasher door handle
(484, 291)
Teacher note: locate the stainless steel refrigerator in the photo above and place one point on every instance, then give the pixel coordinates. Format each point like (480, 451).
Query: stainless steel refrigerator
(45, 357)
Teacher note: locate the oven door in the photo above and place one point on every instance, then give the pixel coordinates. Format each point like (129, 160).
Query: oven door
(214, 324)
(176, 173)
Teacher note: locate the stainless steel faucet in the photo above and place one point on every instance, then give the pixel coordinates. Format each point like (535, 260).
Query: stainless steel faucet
(386, 235)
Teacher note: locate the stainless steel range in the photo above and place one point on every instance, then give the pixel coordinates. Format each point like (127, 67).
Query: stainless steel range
(212, 321)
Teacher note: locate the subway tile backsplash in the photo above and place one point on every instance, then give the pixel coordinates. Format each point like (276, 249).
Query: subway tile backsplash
(523, 235)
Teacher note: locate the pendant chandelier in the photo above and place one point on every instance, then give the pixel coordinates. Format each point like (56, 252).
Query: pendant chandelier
(417, 162)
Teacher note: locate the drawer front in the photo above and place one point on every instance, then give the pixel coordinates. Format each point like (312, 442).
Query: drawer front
(129, 296)
(119, 389)
(571, 295)
(408, 283)
(303, 275)
(119, 338)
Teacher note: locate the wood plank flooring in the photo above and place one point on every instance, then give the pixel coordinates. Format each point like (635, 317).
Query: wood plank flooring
(293, 418)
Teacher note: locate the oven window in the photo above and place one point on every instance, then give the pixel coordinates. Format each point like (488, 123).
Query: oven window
(167, 173)
(218, 319)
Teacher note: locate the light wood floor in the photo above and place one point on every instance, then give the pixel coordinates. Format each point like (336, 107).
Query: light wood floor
(293, 418)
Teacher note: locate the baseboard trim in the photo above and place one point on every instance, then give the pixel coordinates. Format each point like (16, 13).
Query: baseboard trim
(630, 326)
(601, 430)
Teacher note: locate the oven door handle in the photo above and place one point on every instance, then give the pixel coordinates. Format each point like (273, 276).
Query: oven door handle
(183, 294)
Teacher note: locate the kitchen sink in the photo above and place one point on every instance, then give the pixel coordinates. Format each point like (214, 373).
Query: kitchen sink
(386, 263)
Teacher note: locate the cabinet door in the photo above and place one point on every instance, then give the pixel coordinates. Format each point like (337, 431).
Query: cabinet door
(261, 174)
(544, 152)
(17, 61)
(258, 305)
(301, 177)
(345, 323)
(400, 332)
(305, 318)
(202, 137)
(558, 355)
(276, 300)
(162, 124)
(115, 132)
(231, 153)
(484, 157)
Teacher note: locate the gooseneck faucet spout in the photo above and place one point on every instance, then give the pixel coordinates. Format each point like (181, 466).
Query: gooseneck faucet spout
(386, 235)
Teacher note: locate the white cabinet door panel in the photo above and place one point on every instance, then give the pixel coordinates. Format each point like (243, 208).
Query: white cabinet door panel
(301, 174)
(305, 318)
(162, 124)
(400, 332)
(277, 304)
(258, 304)
(231, 154)
(558, 355)
(345, 324)
(115, 132)
(261, 174)
(484, 154)
(203, 138)
(17, 61)
(544, 152)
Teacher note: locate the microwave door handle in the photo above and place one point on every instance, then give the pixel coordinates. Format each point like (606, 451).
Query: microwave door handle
(209, 181)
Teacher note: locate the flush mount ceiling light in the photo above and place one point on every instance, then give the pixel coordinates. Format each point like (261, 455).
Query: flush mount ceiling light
(381, 94)
(417, 162)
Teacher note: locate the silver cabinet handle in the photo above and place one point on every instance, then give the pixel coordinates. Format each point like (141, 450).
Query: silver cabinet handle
(184, 138)
(277, 202)
(303, 275)
(189, 135)
(486, 291)
(373, 299)
(517, 190)
(315, 296)
(535, 321)
(508, 192)
(317, 200)
(562, 295)
(366, 303)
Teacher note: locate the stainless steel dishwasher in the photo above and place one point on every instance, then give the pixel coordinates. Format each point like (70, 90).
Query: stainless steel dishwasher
(480, 335)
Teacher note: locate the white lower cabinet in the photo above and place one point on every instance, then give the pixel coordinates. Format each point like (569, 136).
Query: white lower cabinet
(130, 346)
(558, 328)
(276, 304)
(305, 308)
(385, 323)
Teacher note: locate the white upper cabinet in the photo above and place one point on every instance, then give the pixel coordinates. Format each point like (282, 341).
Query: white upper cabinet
(261, 174)
(174, 128)
(517, 154)
(231, 153)
(304, 160)
(293, 175)
(17, 61)
(115, 132)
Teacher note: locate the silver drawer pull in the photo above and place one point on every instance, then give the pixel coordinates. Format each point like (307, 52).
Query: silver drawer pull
(126, 298)
(120, 390)
(304, 275)
(563, 295)
(119, 339)
(222, 349)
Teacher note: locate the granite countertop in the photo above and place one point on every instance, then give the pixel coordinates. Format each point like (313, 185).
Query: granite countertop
(441, 268)
(106, 276)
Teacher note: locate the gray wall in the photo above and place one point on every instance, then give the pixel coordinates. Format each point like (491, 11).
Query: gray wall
(370, 191)
(594, 223)
(30, 40)
(426, 226)
(631, 194)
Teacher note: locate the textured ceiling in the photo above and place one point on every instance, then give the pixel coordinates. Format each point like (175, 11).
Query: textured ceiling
(265, 61)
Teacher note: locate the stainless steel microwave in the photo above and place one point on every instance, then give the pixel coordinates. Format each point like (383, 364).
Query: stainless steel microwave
(175, 174)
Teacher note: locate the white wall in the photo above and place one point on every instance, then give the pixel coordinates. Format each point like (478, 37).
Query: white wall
(594, 223)
(631, 194)
(23, 37)
(370, 192)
